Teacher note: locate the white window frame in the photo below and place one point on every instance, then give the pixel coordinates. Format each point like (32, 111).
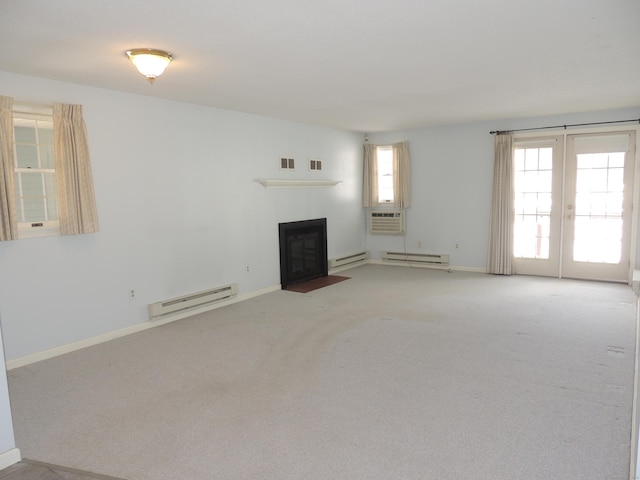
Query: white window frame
(36, 228)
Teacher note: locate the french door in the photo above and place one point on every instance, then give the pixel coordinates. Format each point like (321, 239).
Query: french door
(573, 205)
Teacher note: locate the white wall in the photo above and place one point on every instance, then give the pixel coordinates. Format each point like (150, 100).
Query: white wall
(452, 174)
(9, 454)
(179, 210)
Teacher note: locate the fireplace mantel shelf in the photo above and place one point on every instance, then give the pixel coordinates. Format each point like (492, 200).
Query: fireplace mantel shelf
(288, 183)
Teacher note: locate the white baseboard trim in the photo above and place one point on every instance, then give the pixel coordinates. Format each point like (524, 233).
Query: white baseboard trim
(635, 282)
(453, 268)
(635, 447)
(105, 337)
(9, 457)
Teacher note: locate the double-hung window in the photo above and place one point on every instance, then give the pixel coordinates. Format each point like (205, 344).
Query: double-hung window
(384, 157)
(35, 174)
(46, 185)
(387, 175)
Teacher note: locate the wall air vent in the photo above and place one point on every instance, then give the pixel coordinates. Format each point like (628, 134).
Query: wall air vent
(315, 164)
(287, 163)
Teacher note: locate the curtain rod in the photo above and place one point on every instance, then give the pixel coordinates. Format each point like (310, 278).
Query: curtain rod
(499, 132)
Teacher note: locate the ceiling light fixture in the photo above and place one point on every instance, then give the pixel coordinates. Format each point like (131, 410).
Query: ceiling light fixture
(149, 61)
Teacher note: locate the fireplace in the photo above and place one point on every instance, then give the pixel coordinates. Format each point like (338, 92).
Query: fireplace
(303, 251)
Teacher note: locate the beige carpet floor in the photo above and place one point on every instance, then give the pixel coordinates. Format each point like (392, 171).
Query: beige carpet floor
(397, 373)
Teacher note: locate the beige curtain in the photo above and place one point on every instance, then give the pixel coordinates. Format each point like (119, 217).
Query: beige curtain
(8, 220)
(370, 180)
(77, 205)
(501, 227)
(401, 176)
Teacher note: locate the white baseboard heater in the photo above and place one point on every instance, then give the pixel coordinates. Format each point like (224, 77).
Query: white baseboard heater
(349, 260)
(425, 258)
(192, 301)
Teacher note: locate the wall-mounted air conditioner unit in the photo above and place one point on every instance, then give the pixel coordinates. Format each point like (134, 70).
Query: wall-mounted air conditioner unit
(387, 222)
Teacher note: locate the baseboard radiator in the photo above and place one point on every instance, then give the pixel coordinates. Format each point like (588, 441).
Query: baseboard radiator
(192, 301)
(349, 260)
(424, 258)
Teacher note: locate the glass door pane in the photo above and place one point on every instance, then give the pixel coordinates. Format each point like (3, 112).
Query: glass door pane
(532, 206)
(597, 236)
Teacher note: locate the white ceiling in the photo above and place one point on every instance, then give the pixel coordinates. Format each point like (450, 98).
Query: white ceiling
(362, 65)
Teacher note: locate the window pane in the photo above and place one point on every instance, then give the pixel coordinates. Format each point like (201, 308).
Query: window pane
(27, 156)
(616, 180)
(52, 208)
(599, 203)
(597, 240)
(544, 203)
(45, 133)
(616, 160)
(530, 203)
(385, 174)
(518, 181)
(46, 156)
(529, 181)
(25, 134)
(532, 184)
(32, 185)
(544, 181)
(532, 232)
(34, 210)
(591, 180)
(546, 158)
(583, 203)
(531, 159)
(544, 222)
(50, 183)
(614, 203)
(592, 160)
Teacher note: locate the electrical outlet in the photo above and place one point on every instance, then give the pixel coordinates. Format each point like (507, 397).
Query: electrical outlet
(133, 294)
(419, 243)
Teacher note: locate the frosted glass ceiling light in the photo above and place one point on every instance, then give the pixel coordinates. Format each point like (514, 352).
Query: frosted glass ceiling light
(149, 61)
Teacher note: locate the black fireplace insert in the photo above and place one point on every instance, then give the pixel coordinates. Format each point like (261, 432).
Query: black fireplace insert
(303, 251)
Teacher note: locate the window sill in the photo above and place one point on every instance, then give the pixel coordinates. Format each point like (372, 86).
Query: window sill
(46, 231)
